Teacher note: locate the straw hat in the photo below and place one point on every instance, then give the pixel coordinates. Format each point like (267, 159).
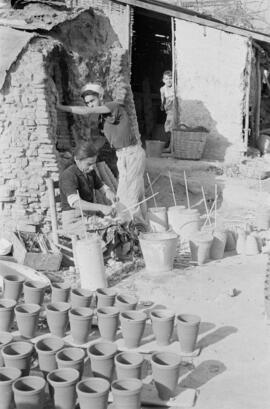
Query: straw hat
(92, 87)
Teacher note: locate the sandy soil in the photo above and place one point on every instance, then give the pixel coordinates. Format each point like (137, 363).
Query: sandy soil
(232, 370)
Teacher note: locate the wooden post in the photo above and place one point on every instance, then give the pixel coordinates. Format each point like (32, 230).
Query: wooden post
(50, 187)
(259, 92)
(248, 69)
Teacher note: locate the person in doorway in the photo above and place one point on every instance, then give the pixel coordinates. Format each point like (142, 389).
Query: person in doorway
(167, 105)
(77, 184)
(115, 125)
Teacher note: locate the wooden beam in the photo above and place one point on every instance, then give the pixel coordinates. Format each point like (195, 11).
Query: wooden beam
(259, 92)
(248, 68)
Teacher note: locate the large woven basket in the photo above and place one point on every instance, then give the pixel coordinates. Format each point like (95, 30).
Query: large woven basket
(189, 143)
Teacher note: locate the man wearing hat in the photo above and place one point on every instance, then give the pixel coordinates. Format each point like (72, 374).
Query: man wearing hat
(116, 127)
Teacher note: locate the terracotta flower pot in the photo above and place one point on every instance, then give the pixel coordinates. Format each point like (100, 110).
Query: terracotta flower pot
(29, 392)
(81, 297)
(127, 393)
(132, 325)
(46, 349)
(7, 377)
(128, 365)
(6, 313)
(126, 302)
(80, 320)
(162, 325)
(93, 393)
(60, 292)
(108, 321)
(18, 355)
(105, 297)
(71, 358)
(63, 387)
(187, 331)
(5, 339)
(102, 359)
(27, 319)
(34, 292)
(57, 318)
(13, 285)
(165, 369)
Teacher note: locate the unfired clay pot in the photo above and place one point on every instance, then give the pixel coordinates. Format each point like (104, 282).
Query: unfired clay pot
(6, 313)
(18, 355)
(105, 297)
(7, 377)
(102, 359)
(34, 292)
(5, 339)
(27, 319)
(80, 320)
(126, 302)
(63, 387)
(132, 325)
(128, 365)
(46, 349)
(165, 369)
(162, 325)
(13, 285)
(93, 393)
(60, 292)
(127, 393)
(29, 392)
(71, 358)
(57, 318)
(187, 331)
(81, 297)
(108, 321)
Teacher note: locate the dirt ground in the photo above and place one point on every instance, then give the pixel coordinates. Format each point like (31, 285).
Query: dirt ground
(232, 370)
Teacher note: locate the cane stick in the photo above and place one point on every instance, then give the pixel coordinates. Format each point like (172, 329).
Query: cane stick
(186, 186)
(205, 205)
(170, 177)
(142, 201)
(151, 188)
(82, 216)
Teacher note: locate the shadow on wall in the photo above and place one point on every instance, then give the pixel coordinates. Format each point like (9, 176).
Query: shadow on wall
(194, 113)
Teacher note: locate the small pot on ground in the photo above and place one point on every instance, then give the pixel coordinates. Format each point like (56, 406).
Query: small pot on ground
(29, 392)
(127, 393)
(13, 285)
(57, 318)
(80, 320)
(46, 349)
(5, 339)
(128, 365)
(18, 355)
(162, 325)
(132, 325)
(60, 292)
(63, 387)
(71, 358)
(81, 297)
(187, 331)
(165, 369)
(34, 292)
(126, 302)
(27, 319)
(105, 297)
(6, 313)
(93, 393)
(108, 321)
(7, 377)
(102, 359)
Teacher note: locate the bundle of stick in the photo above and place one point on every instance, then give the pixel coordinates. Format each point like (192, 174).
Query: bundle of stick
(212, 210)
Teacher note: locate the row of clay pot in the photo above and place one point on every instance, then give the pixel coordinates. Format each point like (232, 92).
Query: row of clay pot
(267, 292)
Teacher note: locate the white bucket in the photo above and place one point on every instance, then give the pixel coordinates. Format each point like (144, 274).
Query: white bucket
(185, 222)
(173, 217)
(158, 219)
(159, 250)
(90, 262)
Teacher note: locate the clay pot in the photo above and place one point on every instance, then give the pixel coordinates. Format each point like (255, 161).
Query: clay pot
(18, 355)
(108, 321)
(29, 392)
(71, 358)
(34, 292)
(200, 245)
(6, 313)
(46, 349)
(93, 393)
(162, 325)
(13, 285)
(27, 319)
(165, 369)
(81, 297)
(267, 306)
(132, 325)
(105, 297)
(241, 242)
(80, 320)
(5, 339)
(60, 292)
(230, 241)
(63, 387)
(7, 377)
(218, 244)
(187, 331)
(251, 245)
(128, 365)
(102, 359)
(57, 318)
(127, 393)
(126, 302)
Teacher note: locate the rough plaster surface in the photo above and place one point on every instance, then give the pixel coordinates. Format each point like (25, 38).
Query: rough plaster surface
(210, 85)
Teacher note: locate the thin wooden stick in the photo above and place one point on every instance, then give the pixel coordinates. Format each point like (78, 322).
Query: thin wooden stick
(153, 182)
(142, 201)
(151, 188)
(84, 224)
(210, 213)
(170, 177)
(186, 186)
(216, 196)
(205, 205)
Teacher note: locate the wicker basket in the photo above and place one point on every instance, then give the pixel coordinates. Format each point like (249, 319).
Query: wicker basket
(189, 143)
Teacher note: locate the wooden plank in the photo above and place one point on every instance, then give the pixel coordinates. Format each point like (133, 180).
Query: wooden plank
(248, 68)
(259, 96)
(50, 187)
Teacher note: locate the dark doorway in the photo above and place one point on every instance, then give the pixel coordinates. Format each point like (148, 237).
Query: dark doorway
(151, 56)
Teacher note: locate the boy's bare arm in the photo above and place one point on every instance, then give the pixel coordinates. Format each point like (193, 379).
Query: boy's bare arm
(80, 110)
